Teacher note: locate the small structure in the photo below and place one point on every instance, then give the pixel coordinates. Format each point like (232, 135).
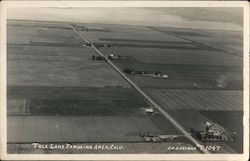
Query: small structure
(150, 137)
(94, 57)
(87, 45)
(106, 45)
(129, 71)
(113, 57)
(149, 110)
(164, 76)
(146, 73)
(102, 45)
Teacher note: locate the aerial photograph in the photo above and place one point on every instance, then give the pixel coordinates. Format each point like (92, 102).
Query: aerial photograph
(165, 80)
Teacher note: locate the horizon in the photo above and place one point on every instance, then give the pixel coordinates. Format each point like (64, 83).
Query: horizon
(162, 17)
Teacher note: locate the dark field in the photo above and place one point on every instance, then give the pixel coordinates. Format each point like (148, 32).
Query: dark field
(177, 56)
(74, 101)
(185, 76)
(191, 81)
(58, 94)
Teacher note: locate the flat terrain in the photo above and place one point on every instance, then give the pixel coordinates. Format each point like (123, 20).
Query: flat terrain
(201, 100)
(58, 94)
(83, 129)
(38, 36)
(58, 66)
(177, 56)
(229, 41)
(39, 100)
(189, 77)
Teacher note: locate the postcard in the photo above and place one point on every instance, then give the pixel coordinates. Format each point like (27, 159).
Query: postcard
(124, 80)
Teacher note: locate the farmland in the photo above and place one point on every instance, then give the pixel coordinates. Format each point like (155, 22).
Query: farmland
(58, 94)
(80, 129)
(71, 100)
(203, 81)
(230, 41)
(58, 66)
(177, 56)
(200, 100)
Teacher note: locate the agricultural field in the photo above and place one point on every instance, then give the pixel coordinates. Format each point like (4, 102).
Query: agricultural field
(71, 100)
(29, 35)
(192, 108)
(134, 37)
(229, 41)
(203, 81)
(78, 129)
(202, 68)
(177, 56)
(57, 93)
(119, 28)
(58, 66)
(200, 100)
(184, 77)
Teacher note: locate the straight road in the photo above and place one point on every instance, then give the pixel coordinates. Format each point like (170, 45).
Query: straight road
(166, 114)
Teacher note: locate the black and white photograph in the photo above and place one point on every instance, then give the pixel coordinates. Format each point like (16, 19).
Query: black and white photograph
(126, 80)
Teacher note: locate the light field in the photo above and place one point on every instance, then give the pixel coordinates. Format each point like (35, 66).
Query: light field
(59, 66)
(221, 40)
(40, 36)
(72, 74)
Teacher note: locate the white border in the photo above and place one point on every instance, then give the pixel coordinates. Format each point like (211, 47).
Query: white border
(5, 5)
